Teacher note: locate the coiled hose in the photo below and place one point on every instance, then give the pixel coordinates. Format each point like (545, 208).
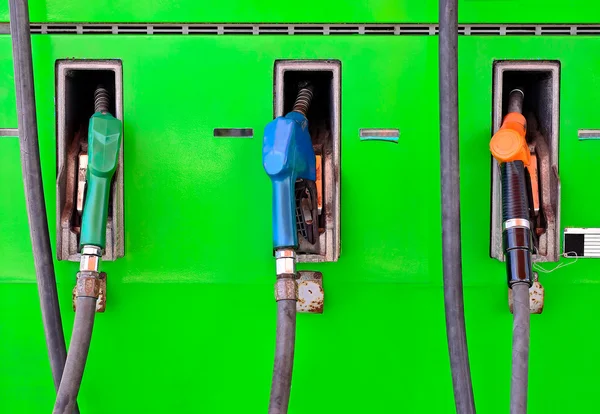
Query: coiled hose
(286, 294)
(451, 244)
(284, 357)
(520, 349)
(34, 191)
(517, 249)
(77, 357)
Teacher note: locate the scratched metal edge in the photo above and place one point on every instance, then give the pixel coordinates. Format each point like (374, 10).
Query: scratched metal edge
(9, 132)
(588, 134)
(380, 134)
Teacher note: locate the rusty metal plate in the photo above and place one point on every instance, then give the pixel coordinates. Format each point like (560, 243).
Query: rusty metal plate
(310, 292)
(536, 298)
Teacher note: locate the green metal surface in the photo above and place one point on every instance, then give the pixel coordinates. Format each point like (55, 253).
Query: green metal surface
(528, 11)
(190, 318)
(230, 11)
(309, 11)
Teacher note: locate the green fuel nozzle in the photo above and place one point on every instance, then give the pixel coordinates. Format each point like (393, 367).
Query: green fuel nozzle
(104, 143)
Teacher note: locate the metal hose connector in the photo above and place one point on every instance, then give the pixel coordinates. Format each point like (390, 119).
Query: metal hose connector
(304, 98)
(101, 100)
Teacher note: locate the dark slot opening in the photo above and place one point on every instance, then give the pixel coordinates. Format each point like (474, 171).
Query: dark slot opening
(80, 86)
(538, 95)
(540, 108)
(320, 120)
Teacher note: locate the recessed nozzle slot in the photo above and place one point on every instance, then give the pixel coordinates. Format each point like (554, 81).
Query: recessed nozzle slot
(85, 87)
(531, 88)
(312, 88)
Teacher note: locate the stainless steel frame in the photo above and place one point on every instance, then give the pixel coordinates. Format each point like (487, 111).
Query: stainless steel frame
(548, 120)
(67, 241)
(329, 241)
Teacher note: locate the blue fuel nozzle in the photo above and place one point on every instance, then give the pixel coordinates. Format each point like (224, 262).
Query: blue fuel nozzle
(287, 156)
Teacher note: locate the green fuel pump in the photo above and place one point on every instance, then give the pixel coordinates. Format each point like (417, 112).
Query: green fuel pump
(104, 143)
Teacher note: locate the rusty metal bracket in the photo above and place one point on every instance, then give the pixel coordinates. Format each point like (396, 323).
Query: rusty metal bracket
(536, 297)
(101, 301)
(310, 292)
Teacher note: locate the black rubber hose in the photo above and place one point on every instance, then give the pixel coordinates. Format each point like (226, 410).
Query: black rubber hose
(78, 352)
(517, 249)
(284, 357)
(516, 239)
(34, 192)
(520, 349)
(451, 244)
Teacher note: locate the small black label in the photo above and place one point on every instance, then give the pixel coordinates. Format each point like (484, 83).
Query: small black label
(233, 132)
(574, 245)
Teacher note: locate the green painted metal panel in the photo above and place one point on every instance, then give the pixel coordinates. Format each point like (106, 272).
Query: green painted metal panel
(173, 163)
(8, 114)
(309, 11)
(191, 315)
(230, 11)
(560, 380)
(579, 85)
(198, 213)
(14, 237)
(528, 11)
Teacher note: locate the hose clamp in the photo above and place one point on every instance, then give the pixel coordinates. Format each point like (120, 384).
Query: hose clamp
(285, 253)
(90, 258)
(285, 289)
(285, 262)
(91, 250)
(517, 222)
(88, 285)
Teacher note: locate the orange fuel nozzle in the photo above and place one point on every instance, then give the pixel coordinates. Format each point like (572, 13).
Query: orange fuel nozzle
(509, 144)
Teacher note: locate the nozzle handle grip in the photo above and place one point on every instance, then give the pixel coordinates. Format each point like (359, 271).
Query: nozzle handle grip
(288, 154)
(284, 213)
(95, 212)
(104, 143)
(517, 240)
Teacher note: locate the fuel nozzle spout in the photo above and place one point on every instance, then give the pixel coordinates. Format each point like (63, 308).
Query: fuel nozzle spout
(104, 144)
(288, 155)
(304, 98)
(509, 147)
